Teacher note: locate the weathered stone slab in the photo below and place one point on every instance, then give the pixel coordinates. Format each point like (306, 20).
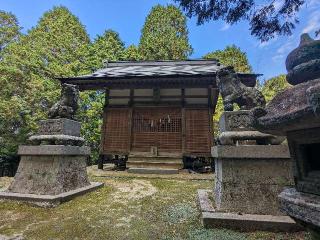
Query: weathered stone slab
(50, 200)
(204, 201)
(229, 138)
(49, 175)
(302, 206)
(60, 126)
(235, 121)
(251, 151)
(53, 150)
(56, 140)
(260, 171)
(250, 198)
(249, 222)
(249, 178)
(212, 218)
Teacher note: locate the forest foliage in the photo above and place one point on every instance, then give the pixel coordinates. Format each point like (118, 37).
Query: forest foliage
(59, 46)
(266, 19)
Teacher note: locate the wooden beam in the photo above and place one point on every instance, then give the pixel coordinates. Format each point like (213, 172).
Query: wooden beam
(161, 97)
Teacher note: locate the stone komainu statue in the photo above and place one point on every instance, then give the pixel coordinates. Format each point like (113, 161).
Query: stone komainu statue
(233, 91)
(67, 106)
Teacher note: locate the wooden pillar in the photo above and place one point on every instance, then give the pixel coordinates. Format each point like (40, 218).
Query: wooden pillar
(103, 129)
(183, 123)
(215, 96)
(131, 103)
(211, 100)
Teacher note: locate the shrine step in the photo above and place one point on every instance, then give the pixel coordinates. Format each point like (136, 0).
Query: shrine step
(153, 171)
(143, 163)
(158, 165)
(154, 159)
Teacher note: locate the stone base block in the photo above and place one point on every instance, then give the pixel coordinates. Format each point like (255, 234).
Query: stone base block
(249, 178)
(212, 218)
(50, 170)
(303, 207)
(49, 200)
(59, 126)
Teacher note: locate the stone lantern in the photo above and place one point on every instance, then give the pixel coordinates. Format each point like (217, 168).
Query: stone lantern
(295, 113)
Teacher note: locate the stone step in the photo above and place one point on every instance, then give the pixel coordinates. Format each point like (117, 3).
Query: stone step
(160, 165)
(160, 155)
(153, 171)
(155, 159)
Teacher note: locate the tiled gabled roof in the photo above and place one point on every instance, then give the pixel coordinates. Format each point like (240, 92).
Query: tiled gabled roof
(134, 74)
(155, 69)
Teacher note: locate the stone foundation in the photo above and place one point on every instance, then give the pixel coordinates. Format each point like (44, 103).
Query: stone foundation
(50, 174)
(250, 178)
(212, 218)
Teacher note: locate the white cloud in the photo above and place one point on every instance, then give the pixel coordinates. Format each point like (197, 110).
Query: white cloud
(267, 43)
(225, 27)
(313, 23)
(313, 3)
(283, 51)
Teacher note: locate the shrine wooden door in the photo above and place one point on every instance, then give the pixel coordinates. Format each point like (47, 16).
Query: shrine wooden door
(159, 127)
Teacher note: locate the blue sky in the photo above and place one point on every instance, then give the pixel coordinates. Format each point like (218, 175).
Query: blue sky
(127, 17)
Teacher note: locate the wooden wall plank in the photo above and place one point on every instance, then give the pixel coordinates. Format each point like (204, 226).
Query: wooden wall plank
(197, 131)
(116, 132)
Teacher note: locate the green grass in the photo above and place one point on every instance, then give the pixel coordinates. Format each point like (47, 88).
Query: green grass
(125, 208)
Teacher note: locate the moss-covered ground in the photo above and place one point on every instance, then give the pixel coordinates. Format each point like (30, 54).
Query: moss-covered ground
(125, 208)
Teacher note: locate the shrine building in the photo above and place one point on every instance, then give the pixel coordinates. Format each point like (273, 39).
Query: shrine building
(157, 112)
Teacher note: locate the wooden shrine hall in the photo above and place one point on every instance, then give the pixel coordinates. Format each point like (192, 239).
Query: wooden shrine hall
(157, 112)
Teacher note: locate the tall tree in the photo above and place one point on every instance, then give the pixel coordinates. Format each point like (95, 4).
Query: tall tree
(55, 47)
(165, 35)
(9, 29)
(106, 47)
(132, 53)
(273, 86)
(266, 20)
(230, 56)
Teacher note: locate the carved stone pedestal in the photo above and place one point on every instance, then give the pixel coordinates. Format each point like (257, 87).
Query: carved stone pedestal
(235, 126)
(250, 178)
(50, 174)
(249, 175)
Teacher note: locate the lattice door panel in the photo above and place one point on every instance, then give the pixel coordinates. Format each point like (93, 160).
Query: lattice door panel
(159, 127)
(198, 134)
(117, 137)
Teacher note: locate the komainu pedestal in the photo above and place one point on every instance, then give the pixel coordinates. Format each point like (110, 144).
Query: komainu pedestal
(52, 168)
(251, 167)
(249, 178)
